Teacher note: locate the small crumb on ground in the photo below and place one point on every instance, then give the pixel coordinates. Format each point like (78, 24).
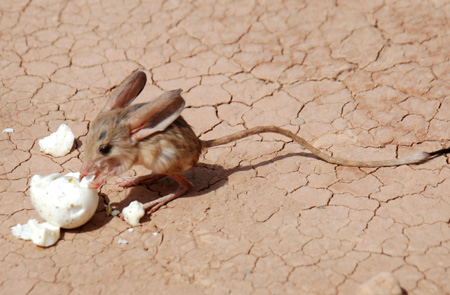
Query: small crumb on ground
(122, 241)
(8, 130)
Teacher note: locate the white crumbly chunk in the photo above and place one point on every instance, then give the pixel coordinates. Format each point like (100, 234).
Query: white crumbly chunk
(382, 284)
(122, 241)
(42, 234)
(115, 212)
(8, 130)
(63, 201)
(58, 143)
(133, 213)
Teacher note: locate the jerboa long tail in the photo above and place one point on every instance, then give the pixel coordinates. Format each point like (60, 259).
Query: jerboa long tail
(415, 159)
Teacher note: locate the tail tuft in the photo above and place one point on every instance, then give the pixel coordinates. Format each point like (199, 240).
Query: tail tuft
(439, 152)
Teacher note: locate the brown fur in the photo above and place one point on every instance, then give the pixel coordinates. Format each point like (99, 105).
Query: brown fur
(173, 151)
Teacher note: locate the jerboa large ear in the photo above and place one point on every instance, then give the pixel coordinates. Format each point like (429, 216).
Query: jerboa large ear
(156, 115)
(127, 91)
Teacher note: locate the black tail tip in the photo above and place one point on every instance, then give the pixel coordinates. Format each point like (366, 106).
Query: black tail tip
(440, 152)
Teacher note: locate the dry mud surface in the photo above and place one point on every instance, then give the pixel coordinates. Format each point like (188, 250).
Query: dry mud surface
(359, 79)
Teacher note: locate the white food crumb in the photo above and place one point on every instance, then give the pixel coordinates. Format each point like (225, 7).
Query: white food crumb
(8, 130)
(115, 212)
(131, 230)
(58, 143)
(155, 233)
(133, 213)
(42, 234)
(63, 200)
(122, 241)
(22, 231)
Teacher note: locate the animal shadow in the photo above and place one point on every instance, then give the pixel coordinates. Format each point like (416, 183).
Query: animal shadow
(205, 177)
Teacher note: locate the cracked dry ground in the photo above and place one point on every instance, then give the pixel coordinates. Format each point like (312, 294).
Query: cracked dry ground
(359, 79)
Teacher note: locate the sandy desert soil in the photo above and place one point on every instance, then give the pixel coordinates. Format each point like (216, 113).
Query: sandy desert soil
(359, 79)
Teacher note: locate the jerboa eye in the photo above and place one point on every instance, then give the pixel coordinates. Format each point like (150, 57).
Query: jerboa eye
(104, 149)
